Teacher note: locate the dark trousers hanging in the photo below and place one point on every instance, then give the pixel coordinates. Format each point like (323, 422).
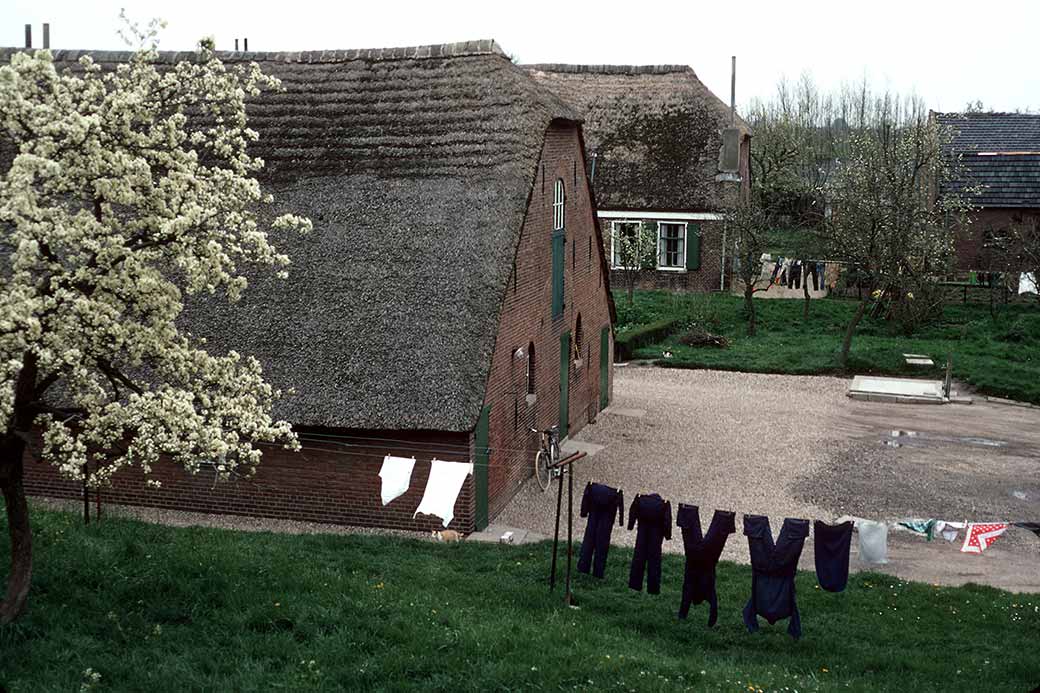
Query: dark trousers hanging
(794, 276)
(702, 557)
(654, 517)
(810, 270)
(773, 568)
(601, 504)
(832, 544)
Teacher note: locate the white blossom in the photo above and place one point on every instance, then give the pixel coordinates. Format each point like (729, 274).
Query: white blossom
(128, 189)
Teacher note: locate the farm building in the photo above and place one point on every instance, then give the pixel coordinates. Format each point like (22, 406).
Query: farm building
(453, 294)
(1000, 158)
(655, 136)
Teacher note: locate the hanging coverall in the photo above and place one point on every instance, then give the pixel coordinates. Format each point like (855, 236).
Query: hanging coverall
(773, 568)
(702, 557)
(654, 516)
(600, 504)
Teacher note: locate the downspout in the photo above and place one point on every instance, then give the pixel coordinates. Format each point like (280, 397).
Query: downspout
(722, 276)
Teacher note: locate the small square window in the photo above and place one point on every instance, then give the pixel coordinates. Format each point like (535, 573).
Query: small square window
(671, 245)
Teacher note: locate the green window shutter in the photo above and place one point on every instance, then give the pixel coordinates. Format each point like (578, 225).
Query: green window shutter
(558, 262)
(693, 247)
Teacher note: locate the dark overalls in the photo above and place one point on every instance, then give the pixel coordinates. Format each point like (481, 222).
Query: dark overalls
(773, 568)
(600, 504)
(832, 544)
(702, 556)
(654, 516)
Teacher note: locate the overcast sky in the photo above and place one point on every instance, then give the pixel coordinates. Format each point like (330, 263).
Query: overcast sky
(949, 51)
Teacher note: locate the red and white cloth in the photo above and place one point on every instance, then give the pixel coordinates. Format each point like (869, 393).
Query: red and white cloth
(979, 536)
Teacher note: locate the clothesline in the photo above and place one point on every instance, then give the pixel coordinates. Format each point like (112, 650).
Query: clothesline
(381, 443)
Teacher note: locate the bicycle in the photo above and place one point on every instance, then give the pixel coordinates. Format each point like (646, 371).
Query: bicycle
(547, 457)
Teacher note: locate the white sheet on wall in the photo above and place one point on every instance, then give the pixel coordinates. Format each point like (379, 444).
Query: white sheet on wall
(396, 474)
(442, 489)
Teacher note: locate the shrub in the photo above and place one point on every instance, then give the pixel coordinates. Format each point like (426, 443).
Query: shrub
(628, 341)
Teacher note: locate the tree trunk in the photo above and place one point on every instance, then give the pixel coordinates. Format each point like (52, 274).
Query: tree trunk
(12, 448)
(847, 342)
(631, 287)
(805, 290)
(749, 307)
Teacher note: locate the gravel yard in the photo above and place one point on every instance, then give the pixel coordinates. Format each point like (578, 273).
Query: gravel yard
(796, 446)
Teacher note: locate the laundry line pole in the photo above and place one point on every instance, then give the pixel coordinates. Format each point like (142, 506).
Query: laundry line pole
(566, 467)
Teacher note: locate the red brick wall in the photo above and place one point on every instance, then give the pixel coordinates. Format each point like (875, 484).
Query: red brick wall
(704, 279)
(969, 241)
(527, 317)
(323, 483)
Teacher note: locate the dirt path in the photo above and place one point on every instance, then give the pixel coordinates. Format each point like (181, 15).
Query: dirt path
(790, 446)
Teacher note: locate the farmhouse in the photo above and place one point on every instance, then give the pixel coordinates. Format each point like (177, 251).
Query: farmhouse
(453, 294)
(655, 139)
(1000, 156)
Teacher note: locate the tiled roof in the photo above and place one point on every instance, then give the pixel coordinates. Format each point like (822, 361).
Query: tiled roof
(1000, 152)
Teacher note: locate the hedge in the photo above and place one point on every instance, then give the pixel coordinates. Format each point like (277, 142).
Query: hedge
(627, 342)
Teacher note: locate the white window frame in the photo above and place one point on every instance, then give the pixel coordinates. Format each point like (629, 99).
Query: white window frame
(558, 207)
(681, 267)
(614, 224)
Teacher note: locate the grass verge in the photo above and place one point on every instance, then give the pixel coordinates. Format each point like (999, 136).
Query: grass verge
(158, 608)
(998, 356)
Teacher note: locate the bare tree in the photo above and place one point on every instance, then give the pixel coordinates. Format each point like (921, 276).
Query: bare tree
(635, 249)
(748, 224)
(886, 223)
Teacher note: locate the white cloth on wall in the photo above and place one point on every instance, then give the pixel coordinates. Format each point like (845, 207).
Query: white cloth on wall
(396, 473)
(1027, 284)
(873, 541)
(442, 489)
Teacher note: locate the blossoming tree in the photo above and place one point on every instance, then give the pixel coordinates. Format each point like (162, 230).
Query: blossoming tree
(122, 191)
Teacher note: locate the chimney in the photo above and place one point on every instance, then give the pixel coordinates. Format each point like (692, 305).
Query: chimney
(733, 93)
(245, 45)
(28, 35)
(46, 35)
(236, 45)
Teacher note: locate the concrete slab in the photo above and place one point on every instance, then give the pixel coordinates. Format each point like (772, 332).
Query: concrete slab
(492, 534)
(904, 390)
(570, 447)
(920, 362)
(622, 411)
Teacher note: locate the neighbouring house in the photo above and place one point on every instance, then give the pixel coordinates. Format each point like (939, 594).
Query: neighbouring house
(655, 136)
(453, 294)
(1000, 159)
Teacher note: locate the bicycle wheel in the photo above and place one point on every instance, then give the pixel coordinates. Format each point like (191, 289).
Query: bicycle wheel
(554, 448)
(541, 469)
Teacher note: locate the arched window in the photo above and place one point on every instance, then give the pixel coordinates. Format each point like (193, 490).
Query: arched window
(577, 343)
(558, 206)
(530, 369)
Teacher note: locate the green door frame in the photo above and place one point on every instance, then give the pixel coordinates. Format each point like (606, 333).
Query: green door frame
(604, 368)
(481, 459)
(565, 383)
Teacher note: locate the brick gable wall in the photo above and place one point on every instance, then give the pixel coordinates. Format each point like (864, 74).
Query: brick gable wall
(527, 317)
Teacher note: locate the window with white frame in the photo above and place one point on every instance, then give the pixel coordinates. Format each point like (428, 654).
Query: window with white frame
(624, 243)
(671, 245)
(558, 205)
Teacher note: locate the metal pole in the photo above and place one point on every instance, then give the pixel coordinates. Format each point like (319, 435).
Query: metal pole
(556, 535)
(86, 496)
(567, 597)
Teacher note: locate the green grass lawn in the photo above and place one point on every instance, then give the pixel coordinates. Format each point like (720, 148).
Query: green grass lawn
(154, 608)
(999, 357)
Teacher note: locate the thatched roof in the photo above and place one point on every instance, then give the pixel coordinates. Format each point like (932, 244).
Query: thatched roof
(655, 131)
(415, 165)
(1000, 153)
